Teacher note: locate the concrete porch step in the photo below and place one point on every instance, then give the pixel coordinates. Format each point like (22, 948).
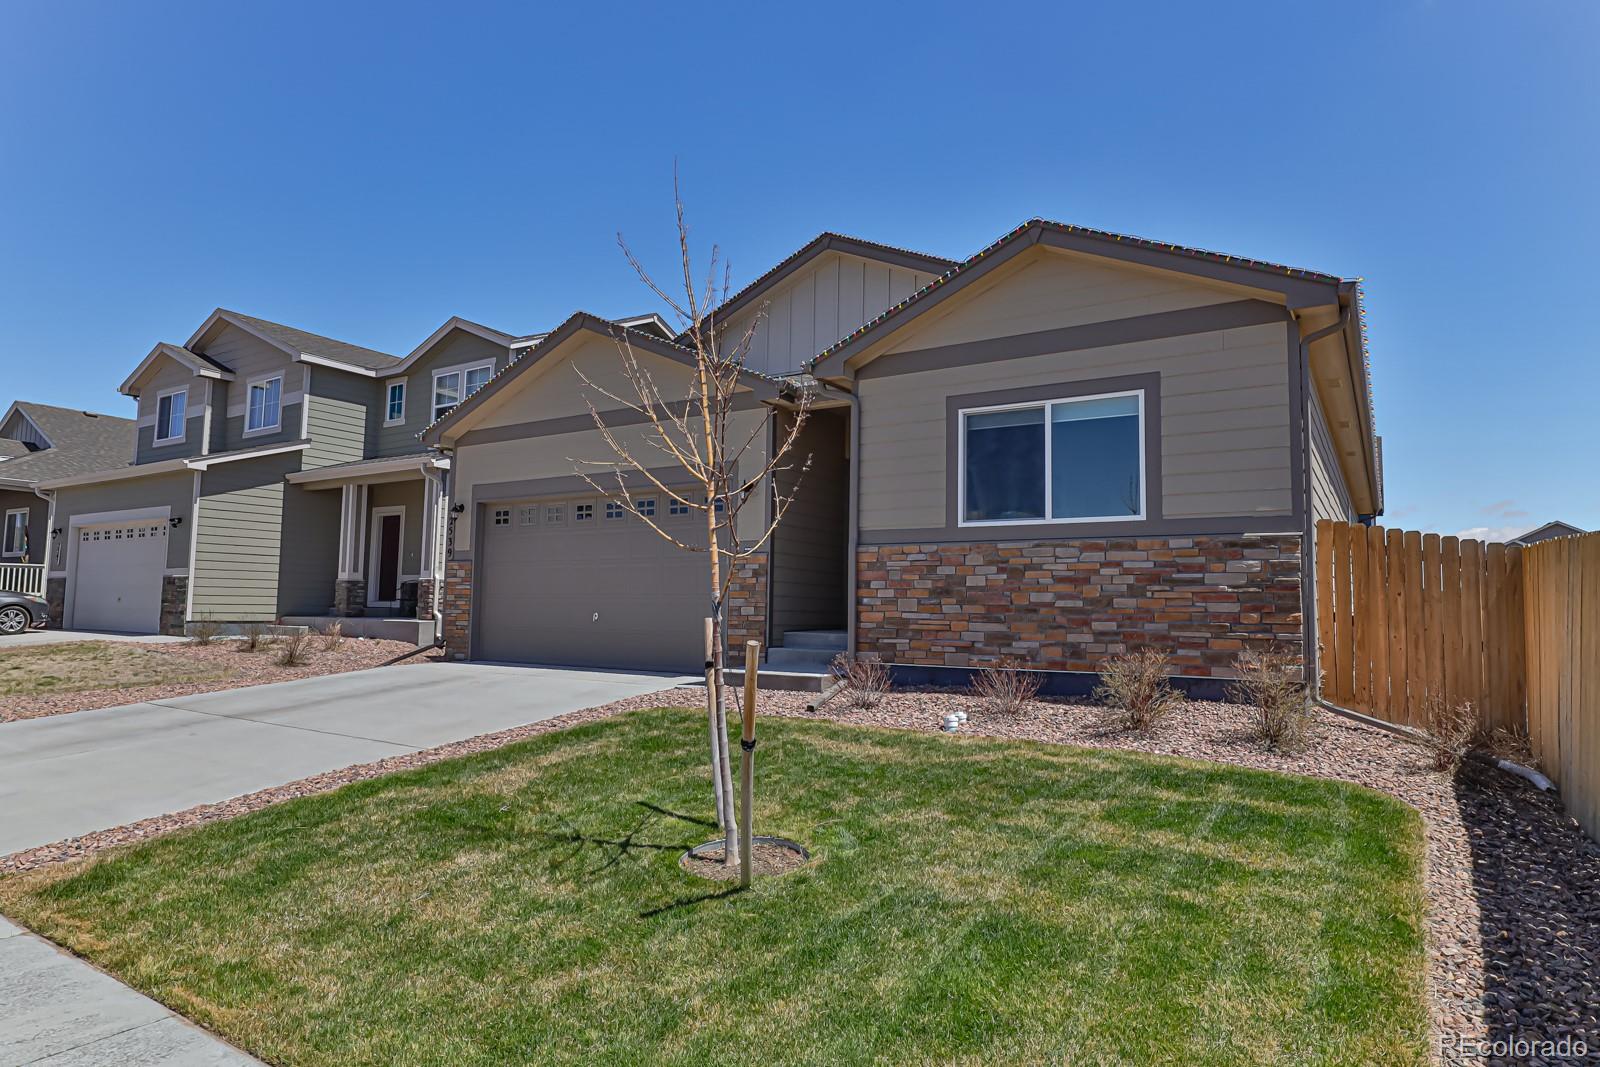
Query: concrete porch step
(411, 631)
(831, 640)
(801, 659)
(799, 681)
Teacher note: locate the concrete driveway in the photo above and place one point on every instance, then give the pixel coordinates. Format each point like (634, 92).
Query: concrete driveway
(70, 774)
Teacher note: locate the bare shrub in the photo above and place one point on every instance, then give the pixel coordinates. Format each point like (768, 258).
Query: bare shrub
(1452, 732)
(333, 635)
(255, 636)
(1135, 685)
(1005, 688)
(204, 631)
(865, 678)
(294, 650)
(1270, 683)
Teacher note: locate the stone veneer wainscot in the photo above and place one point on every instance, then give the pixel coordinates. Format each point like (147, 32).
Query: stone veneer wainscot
(1070, 604)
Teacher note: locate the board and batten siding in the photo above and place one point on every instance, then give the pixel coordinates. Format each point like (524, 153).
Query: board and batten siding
(455, 349)
(339, 417)
(1330, 498)
(173, 491)
(21, 428)
(1225, 395)
(820, 303)
(239, 545)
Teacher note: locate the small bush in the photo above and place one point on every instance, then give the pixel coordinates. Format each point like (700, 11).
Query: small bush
(865, 678)
(1005, 688)
(294, 650)
(1452, 732)
(204, 631)
(333, 635)
(1136, 686)
(1270, 683)
(255, 635)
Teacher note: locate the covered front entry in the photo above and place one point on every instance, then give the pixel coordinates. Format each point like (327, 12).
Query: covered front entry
(578, 581)
(117, 576)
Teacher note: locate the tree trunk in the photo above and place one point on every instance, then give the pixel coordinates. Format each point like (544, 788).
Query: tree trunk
(722, 768)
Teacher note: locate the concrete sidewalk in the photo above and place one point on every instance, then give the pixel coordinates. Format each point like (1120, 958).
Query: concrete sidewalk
(68, 775)
(58, 1011)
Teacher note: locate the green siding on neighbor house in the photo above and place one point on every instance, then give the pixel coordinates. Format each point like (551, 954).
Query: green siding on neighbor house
(339, 418)
(38, 523)
(239, 539)
(456, 349)
(174, 491)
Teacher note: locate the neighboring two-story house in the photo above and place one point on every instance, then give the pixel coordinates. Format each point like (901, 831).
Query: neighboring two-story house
(40, 442)
(276, 474)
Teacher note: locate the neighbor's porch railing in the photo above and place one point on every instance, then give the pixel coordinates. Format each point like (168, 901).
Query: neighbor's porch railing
(22, 578)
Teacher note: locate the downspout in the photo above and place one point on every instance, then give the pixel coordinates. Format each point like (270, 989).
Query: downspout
(49, 497)
(437, 481)
(1308, 575)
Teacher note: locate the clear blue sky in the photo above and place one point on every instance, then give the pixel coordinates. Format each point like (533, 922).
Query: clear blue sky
(368, 172)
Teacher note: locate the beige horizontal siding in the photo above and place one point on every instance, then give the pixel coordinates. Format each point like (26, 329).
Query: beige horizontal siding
(1225, 423)
(1330, 499)
(1049, 289)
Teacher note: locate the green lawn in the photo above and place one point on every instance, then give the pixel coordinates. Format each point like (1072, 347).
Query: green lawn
(970, 902)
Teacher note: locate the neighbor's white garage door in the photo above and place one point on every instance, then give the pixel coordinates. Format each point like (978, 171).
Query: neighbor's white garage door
(117, 581)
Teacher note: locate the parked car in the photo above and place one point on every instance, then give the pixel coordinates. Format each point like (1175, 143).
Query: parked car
(20, 611)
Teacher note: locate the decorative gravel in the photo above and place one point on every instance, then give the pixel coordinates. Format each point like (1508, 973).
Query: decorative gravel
(246, 669)
(1513, 884)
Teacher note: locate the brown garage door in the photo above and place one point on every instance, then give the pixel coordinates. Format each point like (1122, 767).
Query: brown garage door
(578, 582)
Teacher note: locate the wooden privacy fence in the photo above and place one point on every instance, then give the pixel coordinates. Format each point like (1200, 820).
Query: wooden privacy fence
(1407, 619)
(1562, 587)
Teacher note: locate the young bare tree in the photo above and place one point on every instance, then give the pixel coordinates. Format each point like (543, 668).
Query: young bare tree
(721, 453)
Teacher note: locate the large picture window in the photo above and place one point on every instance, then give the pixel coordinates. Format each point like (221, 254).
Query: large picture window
(1078, 459)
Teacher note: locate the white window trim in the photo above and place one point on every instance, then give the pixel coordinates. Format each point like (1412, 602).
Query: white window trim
(183, 426)
(277, 423)
(6, 532)
(961, 463)
(461, 369)
(405, 395)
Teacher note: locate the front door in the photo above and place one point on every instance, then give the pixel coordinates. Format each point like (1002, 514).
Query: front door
(384, 584)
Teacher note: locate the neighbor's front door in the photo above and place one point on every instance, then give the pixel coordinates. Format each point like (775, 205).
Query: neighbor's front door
(385, 587)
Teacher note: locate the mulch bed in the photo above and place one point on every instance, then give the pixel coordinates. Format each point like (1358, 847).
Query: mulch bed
(767, 858)
(1513, 885)
(247, 669)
